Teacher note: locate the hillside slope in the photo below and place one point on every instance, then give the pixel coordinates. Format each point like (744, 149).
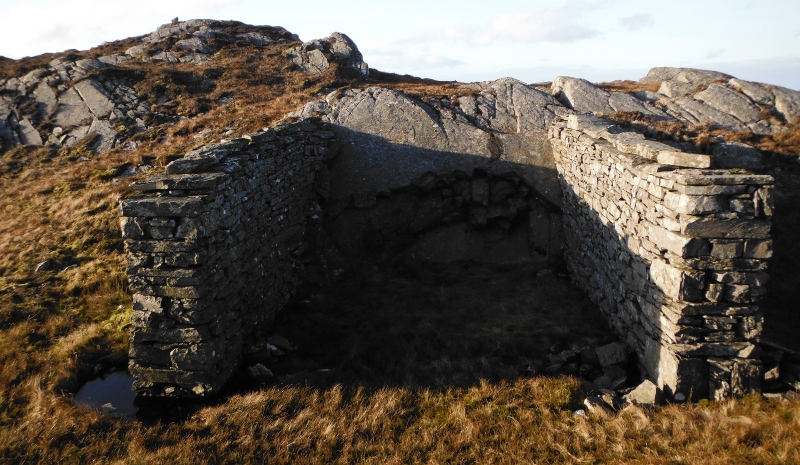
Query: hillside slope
(76, 127)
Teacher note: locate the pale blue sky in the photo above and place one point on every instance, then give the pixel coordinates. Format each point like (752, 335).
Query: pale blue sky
(465, 40)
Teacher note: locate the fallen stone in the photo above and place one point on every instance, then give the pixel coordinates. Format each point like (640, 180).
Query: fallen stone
(106, 136)
(646, 393)
(614, 353)
(46, 265)
(260, 372)
(28, 135)
(281, 343)
(597, 406)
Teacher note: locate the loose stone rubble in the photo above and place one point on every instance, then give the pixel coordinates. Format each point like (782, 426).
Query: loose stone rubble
(674, 256)
(213, 251)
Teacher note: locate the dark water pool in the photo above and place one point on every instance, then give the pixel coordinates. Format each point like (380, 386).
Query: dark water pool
(111, 394)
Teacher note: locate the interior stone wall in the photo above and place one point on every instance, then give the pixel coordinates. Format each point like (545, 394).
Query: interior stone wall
(673, 252)
(474, 216)
(674, 255)
(213, 247)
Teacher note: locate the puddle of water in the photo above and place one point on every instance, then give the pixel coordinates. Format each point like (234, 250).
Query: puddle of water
(111, 394)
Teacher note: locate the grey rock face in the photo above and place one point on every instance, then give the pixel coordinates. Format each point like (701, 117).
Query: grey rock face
(696, 77)
(695, 111)
(787, 102)
(510, 106)
(730, 102)
(396, 139)
(756, 92)
(194, 44)
(71, 110)
(95, 97)
(314, 56)
(583, 96)
(61, 97)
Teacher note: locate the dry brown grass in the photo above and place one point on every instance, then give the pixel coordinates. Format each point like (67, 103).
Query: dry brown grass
(628, 86)
(527, 421)
(785, 142)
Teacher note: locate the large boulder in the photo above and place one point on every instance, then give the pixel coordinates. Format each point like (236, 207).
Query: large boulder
(315, 56)
(583, 96)
(388, 139)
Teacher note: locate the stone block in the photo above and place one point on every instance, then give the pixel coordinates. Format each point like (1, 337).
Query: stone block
(132, 228)
(171, 182)
(682, 159)
(727, 250)
(148, 303)
(679, 244)
(612, 354)
(150, 354)
(198, 357)
(170, 336)
(725, 228)
(746, 377)
(693, 204)
(737, 293)
(164, 206)
(676, 283)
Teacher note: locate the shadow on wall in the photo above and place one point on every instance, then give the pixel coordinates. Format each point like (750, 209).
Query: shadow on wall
(384, 198)
(781, 317)
(381, 199)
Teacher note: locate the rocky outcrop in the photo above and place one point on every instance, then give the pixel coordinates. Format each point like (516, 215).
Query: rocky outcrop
(689, 96)
(393, 139)
(585, 97)
(317, 55)
(68, 100)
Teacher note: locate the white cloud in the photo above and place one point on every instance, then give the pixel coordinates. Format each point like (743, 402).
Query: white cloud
(715, 53)
(409, 62)
(563, 24)
(637, 22)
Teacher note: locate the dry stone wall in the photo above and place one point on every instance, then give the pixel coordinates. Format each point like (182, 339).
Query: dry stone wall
(213, 247)
(673, 252)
